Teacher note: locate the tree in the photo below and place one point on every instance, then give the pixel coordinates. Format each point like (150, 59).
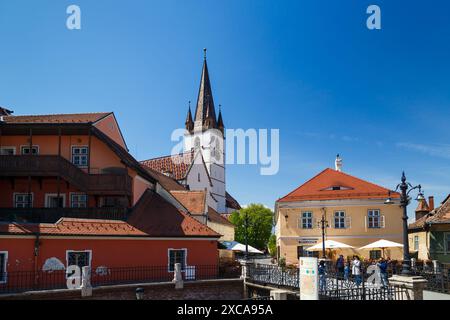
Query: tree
(272, 245)
(260, 222)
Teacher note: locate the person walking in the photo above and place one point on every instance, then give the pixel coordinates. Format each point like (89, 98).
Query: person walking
(356, 270)
(322, 276)
(340, 266)
(382, 268)
(347, 271)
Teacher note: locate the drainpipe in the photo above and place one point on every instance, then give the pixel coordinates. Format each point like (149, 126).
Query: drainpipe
(36, 256)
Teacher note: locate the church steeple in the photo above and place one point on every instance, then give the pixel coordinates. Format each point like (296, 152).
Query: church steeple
(189, 122)
(205, 114)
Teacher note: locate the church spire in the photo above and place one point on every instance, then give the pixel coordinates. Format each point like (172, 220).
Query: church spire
(205, 114)
(189, 122)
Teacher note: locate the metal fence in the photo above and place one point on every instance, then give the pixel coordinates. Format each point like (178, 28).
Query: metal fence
(332, 286)
(24, 281)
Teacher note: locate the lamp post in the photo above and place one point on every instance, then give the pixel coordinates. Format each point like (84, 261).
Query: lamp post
(323, 223)
(405, 189)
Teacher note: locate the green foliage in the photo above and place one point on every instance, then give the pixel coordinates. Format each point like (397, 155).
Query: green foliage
(260, 222)
(272, 245)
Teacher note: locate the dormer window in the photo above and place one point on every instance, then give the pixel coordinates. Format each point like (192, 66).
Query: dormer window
(337, 188)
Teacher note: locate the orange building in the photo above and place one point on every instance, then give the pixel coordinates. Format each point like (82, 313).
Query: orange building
(72, 194)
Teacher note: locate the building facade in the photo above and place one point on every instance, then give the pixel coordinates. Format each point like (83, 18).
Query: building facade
(72, 194)
(353, 210)
(429, 235)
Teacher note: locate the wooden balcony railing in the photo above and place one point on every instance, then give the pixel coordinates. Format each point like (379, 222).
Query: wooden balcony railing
(52, 215)
(54, 166)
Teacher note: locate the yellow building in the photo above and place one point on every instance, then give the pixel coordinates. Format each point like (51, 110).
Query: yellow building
(354, 210)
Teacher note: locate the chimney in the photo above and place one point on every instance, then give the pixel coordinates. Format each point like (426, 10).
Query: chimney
(338, 163)
(431, 203)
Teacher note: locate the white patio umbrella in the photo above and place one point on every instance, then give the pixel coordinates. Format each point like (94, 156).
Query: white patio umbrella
(329, 244)
(382, 244)
(236, 246)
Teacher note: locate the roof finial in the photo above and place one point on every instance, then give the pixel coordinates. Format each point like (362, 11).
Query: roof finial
(189, 104)
(205, 51)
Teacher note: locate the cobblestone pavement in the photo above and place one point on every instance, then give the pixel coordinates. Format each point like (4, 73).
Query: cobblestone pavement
(431, 295)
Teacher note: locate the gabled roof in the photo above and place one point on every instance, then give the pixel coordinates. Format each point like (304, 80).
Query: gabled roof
(166, 182)
(440, 215)
(158, 218)
(58, 118)
(335, 185)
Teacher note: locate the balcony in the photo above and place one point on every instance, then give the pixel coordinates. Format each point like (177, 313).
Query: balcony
(55, 166)
(52, 215)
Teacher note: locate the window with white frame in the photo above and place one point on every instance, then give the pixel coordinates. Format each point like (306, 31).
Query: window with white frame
(306, 220)
(78, 200)
(23, 200)
(79, 258)
(3, 264)
(7, 151)
(374, 219)
(25, 150)
(177, 256)
(80, 156)
(416, 243)
(339, 219)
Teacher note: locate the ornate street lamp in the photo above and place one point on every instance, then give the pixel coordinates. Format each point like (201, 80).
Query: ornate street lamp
(323, 224)
(405, 188)
(246, 235)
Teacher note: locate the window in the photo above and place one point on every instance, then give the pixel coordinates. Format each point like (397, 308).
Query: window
(306, 221)
(53, 201)
(374, 219)
(79, 258)
(80, 156)
(78, 200)
(177, 256)
(25, 150)
(7, 151)
(339, 220)
(375, 254)
(3, 264)
(23, 200)
(416, 243)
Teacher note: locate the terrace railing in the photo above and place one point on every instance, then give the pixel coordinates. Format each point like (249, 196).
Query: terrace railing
(52, 215)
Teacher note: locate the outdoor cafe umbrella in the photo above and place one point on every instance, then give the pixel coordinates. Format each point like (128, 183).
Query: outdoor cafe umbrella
(329, 244)
(236, 246)
(382, 244)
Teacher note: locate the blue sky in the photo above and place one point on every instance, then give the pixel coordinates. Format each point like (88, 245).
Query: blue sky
(309, 68)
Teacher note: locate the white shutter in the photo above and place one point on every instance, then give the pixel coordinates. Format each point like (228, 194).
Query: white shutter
(365, 222)
(348, 222)
(314, 223)
(383, 225)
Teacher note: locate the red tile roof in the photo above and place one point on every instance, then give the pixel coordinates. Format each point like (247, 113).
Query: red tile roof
(193, 201)
(334, 185)
(177, 166)
(58, 118)
(70, 227)
(216, 217)
(440, 215)
(158, 218)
